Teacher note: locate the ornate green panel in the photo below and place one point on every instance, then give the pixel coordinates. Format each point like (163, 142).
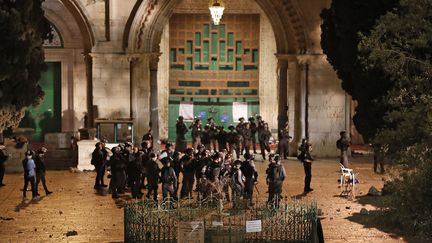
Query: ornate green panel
(222, 52)
(214, 42)
(197, 39)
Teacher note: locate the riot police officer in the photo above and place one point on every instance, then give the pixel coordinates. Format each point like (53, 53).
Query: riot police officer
(237, 182)
(264, 138)
(254, 129)
(222, 138)
(196, 133)
(275, 176)
(118, 176)
(212, 133)
(188, 173)
(247, 138)
(251, 176)
(168, 178)
(285, 138)
(181, 131)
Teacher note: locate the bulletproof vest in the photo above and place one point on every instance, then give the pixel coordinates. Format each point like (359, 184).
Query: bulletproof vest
(247, 169)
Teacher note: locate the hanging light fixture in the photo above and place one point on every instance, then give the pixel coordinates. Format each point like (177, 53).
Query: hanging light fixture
(216, 10)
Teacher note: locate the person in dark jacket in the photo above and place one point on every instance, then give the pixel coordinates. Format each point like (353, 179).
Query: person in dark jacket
(188, 174)
(212, 133)
(181, 131)
(168, 179)
(153, 177)
(247, 137)
(275, 176)
(307, 165)
(196, 133)
(264, 138)
(205, 138)
(3, 157)
(240, 135)
(178, 167)
(254, 129)
(149, 137)
(98, 160)
(251, 176)
(285, 138)
(135, 172)
(41, 170)
(29, 173)
(118, 177)
(222, 138)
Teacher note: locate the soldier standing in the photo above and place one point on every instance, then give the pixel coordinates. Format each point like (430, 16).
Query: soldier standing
(275, 176)
(98, 160)
(307, 165)
(264, 138)
(254, 130)
(251, 176)
(188, 174)
(237, 182)
(153, 177)
(240, 138)
(181, 131)
(169, 179)
(222, 138)
(343, 144)
(196, 133)
(41, 170)
(284, 140)
(212, 133)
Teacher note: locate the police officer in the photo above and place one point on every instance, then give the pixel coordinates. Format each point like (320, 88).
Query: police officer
(284, 140)
(307, 165)
(135, 173)
(196, 133)
(168, 151)
(205, 138)
(222, 138)
(188, 173)
(149, 137)
(178, 167)
(3, 157)
(233, 141)
(251, 175)
(247, 137)
(237, 182)
(169, 179)
(41, 170)
(98, 160)
(343, 144)
(118, 176)
(240, 135)
(153, 177)
(264, 140)
(254, 129)
(212, 133)
(181, 131)
(275, 176)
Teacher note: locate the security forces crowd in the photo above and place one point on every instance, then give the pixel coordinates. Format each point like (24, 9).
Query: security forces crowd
(219, 164)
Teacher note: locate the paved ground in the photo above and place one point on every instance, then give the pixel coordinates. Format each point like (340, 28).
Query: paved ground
(74, 205)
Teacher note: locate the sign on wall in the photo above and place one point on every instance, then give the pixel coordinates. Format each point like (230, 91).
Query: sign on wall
(240, 109)
(186, 110)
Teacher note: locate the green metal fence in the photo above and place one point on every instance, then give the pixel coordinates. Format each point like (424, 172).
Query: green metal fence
(284, 221)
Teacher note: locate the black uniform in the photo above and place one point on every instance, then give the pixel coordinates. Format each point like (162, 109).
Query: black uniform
(251, 175)
(254, 129)
(222, 138)
(153, 179)
(247, 139)
(264, 138)
(188, 176)
(196, 135)
(240, 138)
(237, 183)
(213, 131)
(178, 167)
(283, 143)
(3, 158)
(234, 142)
(148, 137)
(118, 175)
(205, 138)
(307, 165)
(275, 177)
(181, 131)
(40, 173)
(135, 172)
(98, 160)
(169, 182)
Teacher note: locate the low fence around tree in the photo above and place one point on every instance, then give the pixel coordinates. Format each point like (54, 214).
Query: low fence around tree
(212, 220)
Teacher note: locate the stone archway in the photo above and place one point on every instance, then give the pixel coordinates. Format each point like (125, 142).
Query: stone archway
(143, 36)
(78, 40)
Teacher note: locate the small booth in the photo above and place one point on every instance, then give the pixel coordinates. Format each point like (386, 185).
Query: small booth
(115, 131)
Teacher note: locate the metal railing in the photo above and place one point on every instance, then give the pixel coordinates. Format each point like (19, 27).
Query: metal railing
(282, 220)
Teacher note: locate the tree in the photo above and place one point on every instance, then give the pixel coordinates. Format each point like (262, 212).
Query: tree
(401, 46)
(342, 23)
(22, 31)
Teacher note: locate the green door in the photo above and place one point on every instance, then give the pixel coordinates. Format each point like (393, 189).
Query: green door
(46, 118)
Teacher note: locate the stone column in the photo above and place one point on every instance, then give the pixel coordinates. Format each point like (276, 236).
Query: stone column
(89, 78)
(282, 90)
(154, 109)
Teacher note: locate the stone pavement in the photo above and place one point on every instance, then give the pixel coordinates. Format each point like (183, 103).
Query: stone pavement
(75, 206)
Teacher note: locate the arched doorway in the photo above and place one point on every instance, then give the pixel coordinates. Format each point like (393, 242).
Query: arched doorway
(146, 30)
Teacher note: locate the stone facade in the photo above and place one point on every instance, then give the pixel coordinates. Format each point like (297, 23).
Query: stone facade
(128, 42)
